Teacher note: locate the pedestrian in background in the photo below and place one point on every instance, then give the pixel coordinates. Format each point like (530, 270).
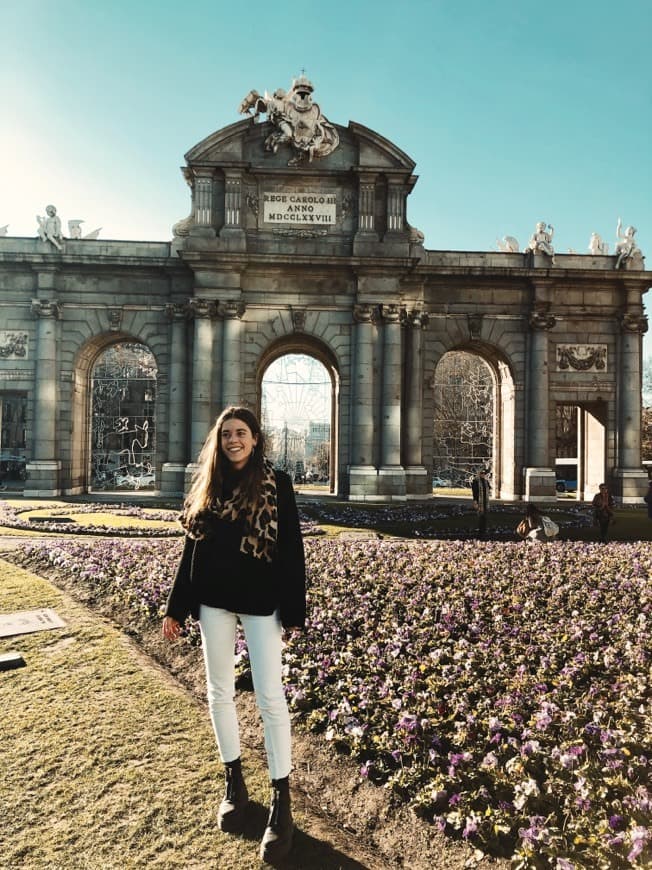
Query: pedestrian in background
(480, 490)
(603, 511)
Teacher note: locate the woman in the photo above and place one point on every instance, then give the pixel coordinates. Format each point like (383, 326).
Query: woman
(603, 510)
(243, 560)
(531, 527)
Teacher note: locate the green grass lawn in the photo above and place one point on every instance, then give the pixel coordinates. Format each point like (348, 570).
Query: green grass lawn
(107, 763)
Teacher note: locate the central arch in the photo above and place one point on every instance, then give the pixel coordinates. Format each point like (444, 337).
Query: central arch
(305, 345)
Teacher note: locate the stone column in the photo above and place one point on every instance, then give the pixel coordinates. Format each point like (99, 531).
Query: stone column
(172, 473)
(231, 353)
(44, 467)
(539, 471)
(203, 312)
(362, 471)
(416, 475)
(391, 475)
(630, 479)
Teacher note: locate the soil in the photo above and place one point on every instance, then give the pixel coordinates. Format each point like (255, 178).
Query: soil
(353, 816)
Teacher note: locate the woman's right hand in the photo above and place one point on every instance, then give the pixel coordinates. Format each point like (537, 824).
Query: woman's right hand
(171, 628)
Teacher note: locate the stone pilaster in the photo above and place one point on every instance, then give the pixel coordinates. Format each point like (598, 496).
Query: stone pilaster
(231, 352)
(172, 473)
(366, 237)
(416, 475)
(44, 467)
(203, 312)
(203, 192)
(539, 472)
(630, 479)
(362, 471)
(395, 207)
(391, 475)
(232, 233)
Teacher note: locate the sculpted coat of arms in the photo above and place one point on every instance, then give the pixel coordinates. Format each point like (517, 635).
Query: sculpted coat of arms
(298, 121)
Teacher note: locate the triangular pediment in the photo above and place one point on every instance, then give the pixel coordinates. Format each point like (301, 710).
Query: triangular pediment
(359, 147)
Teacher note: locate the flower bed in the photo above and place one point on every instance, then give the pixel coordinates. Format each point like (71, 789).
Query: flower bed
(12, 517)
(499, 689)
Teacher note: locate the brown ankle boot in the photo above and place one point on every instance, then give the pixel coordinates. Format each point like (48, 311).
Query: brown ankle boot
(277, 839)
(231, 811)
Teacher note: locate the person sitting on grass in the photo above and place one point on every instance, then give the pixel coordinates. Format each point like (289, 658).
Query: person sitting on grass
(531, 526)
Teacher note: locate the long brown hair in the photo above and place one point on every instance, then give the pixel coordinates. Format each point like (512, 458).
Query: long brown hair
(208, 479)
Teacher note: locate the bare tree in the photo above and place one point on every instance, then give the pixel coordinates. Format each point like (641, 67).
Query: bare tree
(464, 412)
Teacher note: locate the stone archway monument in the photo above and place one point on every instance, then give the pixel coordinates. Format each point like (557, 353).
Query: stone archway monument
(300, 225)
(298, 236)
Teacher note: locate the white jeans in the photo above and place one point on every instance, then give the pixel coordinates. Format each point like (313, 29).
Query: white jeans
(264, 641)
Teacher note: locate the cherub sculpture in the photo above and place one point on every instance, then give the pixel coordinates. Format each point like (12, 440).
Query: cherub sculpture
(49, 227)
(298, 121)
(626, 248)
(508, 245)
(596, 246)
(541, 240)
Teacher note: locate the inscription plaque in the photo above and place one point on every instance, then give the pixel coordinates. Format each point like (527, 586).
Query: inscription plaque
(299, 208)
(27, 621)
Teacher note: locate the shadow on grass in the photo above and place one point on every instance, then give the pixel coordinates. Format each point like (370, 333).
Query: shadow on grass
(308, 853)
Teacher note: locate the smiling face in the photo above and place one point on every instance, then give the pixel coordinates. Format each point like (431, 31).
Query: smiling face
(237, 442)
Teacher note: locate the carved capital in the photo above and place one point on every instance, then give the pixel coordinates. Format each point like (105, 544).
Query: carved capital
(634, 323)
(364, 313)
(177, 310)
(44, 308)
(541, 318)
(201, 308)
(231, 310)
(392, 313)
(416, 318)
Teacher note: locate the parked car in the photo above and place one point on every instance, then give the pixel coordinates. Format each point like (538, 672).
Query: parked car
(562, 485)
(440, 481)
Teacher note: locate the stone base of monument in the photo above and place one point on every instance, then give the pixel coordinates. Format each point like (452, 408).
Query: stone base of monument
(391, 483)
(539, 484)
(363, 483)
(417, 482)
(173, 479)
(42, 479)
(630, 485)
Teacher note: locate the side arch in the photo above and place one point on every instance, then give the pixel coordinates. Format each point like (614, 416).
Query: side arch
(81, 403)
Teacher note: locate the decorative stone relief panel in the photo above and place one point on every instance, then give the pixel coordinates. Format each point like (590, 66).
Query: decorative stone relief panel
(582, 357)
(13, 344)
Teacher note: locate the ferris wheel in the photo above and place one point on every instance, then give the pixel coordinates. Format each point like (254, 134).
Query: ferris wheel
(296, 390)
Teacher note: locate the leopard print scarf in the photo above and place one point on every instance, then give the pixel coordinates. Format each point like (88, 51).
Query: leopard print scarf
(260, 519)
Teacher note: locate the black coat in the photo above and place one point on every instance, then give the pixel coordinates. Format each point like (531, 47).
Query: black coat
(213, 571)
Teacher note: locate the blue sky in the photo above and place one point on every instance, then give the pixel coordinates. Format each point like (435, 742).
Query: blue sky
(514, 112)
